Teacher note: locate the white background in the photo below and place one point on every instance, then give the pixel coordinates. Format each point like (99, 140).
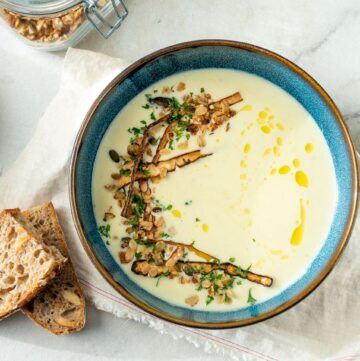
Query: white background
(321, 36)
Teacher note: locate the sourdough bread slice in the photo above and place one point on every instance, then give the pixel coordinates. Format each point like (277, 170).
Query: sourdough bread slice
(60, 308)
(26, 263)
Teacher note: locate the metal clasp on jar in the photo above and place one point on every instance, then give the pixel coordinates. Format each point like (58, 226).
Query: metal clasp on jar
(93, 11)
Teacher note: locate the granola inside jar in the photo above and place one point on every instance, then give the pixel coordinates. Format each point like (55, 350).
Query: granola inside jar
(56, 25)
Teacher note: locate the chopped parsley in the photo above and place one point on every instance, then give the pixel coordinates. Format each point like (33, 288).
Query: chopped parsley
(187, 203)
(152, 116)
(197, 219)
(105, 230)
(108, 243)
(171, 144)
(146, 106)
(125, 172)
(133, 222)
(142, 242)
(251, 299)
(138, 255)
(202, 90)
(242, 272)
(164, 235)
(232, 259)
(162, 206)
(139, 204)
(254, 240)
(209, 299)
(144, 170)
(192, 243)
(174, 103)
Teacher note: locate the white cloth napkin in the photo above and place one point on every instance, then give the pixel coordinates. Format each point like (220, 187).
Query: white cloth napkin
(324, 326)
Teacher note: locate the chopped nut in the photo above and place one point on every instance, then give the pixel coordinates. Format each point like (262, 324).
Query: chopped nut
(192, 300)
(180, 87)
(153, 271)
(46, 30)
(201, 110)
(176, 255)
(201, 140)
(206, 284)
(183, 145)
(108, 215)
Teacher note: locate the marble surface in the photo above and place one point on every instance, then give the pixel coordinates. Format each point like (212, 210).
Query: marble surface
(320, 36)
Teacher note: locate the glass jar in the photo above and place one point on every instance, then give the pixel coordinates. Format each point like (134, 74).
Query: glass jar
(58, 24)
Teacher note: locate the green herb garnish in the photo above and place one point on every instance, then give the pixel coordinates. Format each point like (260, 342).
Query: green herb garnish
(138, 255)
(125, 172)
(209, 299)
(187, 203)
(232, 259)
(165, 274)
(251, 299)
(146, 106)
(197, 219)
(152, 116)
(105, 230)
(202, 90)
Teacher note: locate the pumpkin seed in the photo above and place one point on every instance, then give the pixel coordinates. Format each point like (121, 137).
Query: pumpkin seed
(114, 156)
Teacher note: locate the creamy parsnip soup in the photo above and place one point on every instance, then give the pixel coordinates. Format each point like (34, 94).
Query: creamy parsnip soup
(214, 189)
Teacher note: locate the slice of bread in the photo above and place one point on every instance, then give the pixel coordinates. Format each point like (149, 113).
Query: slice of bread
(26, 263)
(60, 308)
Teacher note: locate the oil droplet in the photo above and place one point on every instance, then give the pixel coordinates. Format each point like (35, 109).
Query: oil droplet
(284, 257)
(267, 151)
(285, 169)
(176, 213)
(279, 141)
(250, 126)
(205, 227)
(266, 129)
(280, 126)
(273, 171)
(243, 176)
(298, 232)
(247, 211)
(246, 108)
(271, 117)
(276, 251)
(276, 151)
(243, 164)
(309, 148)
(262, 115)
(242, 132)
(301, 179)
(217, 140)
(296, 163)
(247, 148)
(259, 263)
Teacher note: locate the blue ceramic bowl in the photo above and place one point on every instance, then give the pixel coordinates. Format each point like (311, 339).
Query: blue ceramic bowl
(198, 55)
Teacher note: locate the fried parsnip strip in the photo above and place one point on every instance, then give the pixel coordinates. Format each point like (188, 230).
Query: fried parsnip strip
(139, 157)
(190, 247)
(151, 170)
(168, 134)
(203, 268)
(231, 99)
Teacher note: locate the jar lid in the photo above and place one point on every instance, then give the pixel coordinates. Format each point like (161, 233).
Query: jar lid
(38, 7)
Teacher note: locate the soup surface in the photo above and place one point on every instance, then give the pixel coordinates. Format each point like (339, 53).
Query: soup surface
(262, 199)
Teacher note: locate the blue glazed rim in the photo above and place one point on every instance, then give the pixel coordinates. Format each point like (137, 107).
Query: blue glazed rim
(195, 55)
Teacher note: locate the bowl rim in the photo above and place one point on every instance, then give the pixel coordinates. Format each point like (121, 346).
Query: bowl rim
(251, 48)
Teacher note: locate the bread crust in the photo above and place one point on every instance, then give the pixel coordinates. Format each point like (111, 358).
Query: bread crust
(16, 237)
(59, 308)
